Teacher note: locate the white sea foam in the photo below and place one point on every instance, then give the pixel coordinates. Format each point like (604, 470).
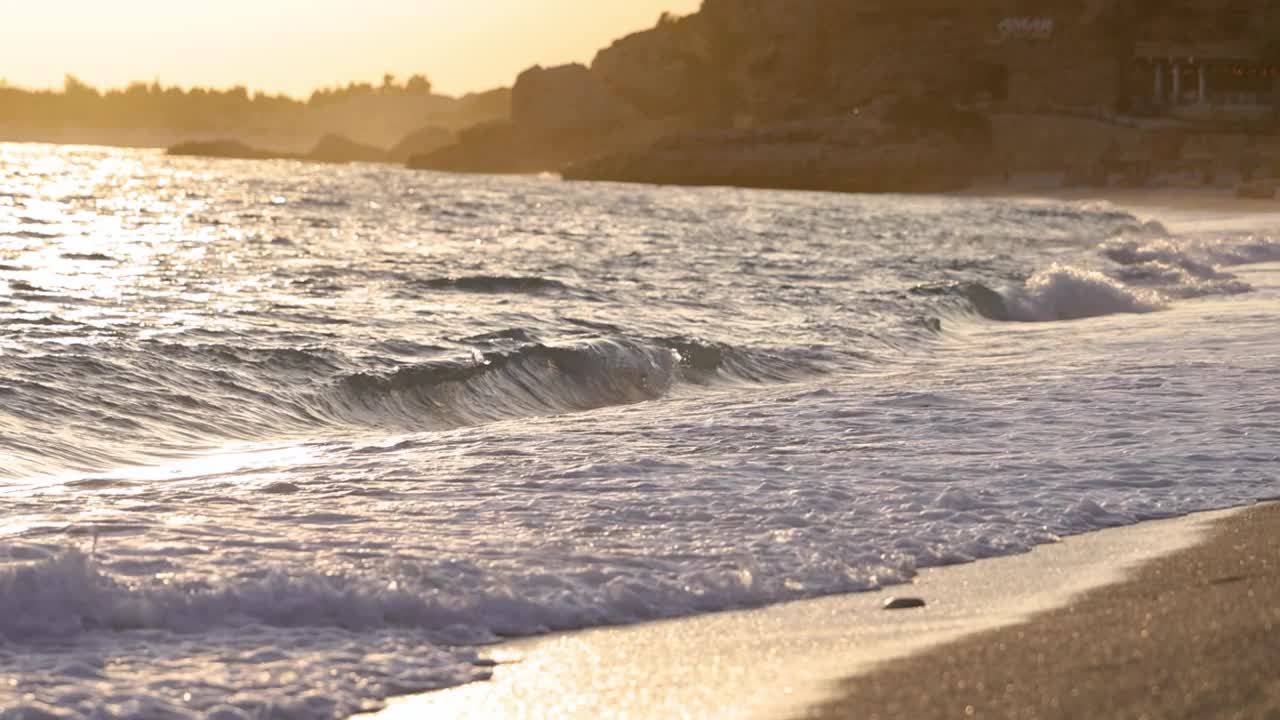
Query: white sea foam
(1068, 293)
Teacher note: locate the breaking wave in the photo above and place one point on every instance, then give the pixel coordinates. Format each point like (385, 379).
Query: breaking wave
(1058, 293)
(1068, 293)
(1146, 270)
(532, 380)
(537, 379)
(274, 393)
(67, 593)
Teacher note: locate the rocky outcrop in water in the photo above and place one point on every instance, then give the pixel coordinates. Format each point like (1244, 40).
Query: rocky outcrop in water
(229, 149)
(329, 149)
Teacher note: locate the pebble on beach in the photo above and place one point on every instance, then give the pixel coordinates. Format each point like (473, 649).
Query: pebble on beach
(903, 603)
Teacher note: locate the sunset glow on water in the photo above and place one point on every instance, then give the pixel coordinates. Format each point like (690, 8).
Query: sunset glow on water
(285, 440)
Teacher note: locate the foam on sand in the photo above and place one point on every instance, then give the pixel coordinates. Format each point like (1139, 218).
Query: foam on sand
(777, 661)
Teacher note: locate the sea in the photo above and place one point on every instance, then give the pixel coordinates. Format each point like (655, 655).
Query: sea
(283, 440)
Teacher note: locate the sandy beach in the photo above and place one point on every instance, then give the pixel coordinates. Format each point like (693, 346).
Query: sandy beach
(791, 660)
(1191, 635)
(777, 662)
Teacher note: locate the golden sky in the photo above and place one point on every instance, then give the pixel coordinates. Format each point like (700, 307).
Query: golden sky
(294, 46)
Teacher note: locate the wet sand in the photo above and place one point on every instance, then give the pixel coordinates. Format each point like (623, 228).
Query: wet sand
(1195, 634)
(775, 662)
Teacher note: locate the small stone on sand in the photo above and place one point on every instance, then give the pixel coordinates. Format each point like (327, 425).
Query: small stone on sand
(903, 603)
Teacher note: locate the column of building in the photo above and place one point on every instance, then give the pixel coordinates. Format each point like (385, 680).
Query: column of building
(1175, 73)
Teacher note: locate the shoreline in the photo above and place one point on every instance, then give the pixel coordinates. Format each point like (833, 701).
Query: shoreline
(1201, 199)
(779, 661)
(1188, 635)
(1043, 187)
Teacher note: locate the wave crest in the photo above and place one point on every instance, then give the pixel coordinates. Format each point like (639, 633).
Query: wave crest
(531, 380)
(494, 284)
(1068, 293)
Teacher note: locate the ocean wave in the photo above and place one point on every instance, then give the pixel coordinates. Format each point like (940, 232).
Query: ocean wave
(176, 394)
(493, 284)
(88, 257)
(1057, 293)
(30, 235)
(519, 376)
(1148, 268)
(986, 302)
(1069, 293)
(531, 380)
(69, 593)
(1188, 267)
(1240, 250)
(705, 361)
(1200, 255)
(1162, 252)
(1176, 282)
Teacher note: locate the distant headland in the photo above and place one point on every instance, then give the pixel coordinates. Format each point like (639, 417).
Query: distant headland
(359, 121)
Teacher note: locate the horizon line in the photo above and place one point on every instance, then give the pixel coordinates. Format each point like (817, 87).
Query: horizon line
(5, 84)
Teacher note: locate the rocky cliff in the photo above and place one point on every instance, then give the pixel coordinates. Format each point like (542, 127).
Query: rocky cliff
(769, 92)
(741, 64)
(762, 61)
(898, 146)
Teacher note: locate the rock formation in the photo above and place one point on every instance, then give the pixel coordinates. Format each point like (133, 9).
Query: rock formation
(664, 71)
(566, 99)
(742, 64)
(558, 116)
(338, 149)
(230, 149)
(329, 149)
(901, 148)
(420, 142)
(821, 93)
